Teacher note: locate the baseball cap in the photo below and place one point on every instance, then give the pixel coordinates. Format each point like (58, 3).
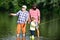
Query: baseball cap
(24, 6)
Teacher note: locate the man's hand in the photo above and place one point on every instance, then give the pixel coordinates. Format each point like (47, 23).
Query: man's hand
(39, 22)
(29, 20)
(11, 14)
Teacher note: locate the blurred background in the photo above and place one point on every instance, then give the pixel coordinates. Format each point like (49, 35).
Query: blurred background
(50, 17)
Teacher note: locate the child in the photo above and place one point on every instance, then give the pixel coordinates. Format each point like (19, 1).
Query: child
(22, 19)
(32, 27)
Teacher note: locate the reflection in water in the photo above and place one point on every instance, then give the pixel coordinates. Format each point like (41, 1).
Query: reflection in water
(23, 38)
(18, 38)
(37, 38)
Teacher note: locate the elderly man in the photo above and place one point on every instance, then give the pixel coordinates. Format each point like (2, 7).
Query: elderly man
(22, 19)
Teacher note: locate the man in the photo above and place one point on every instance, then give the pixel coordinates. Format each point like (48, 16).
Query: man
(22, 19)
(34, 12)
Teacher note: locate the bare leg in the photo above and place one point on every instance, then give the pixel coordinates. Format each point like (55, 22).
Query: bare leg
(38, 32)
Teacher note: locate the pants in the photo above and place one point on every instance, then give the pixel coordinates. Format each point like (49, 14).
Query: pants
(21, 27)
(32, 32)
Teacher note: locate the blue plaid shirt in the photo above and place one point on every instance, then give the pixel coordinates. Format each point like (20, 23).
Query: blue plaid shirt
(22, 16)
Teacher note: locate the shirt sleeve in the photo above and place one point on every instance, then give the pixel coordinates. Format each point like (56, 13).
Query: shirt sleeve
(29, 11)
(17, 14)
(38, 12)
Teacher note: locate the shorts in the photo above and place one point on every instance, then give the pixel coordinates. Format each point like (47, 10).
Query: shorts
(37, 26)
(32, 32)
(21, 27)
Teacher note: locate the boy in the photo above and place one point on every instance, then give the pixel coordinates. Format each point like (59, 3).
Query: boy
(32, 27)
(22, 19)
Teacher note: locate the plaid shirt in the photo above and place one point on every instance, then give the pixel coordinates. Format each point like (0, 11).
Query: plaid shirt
(22, 16)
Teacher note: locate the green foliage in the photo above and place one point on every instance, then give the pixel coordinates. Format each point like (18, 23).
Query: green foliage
(14, 5)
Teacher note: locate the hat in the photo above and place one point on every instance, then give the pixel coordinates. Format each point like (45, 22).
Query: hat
(24, 6)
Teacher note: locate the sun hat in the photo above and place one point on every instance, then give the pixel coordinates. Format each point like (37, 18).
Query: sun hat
(24, 6)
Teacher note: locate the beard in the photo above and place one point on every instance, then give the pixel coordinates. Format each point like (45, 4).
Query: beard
(34, 8)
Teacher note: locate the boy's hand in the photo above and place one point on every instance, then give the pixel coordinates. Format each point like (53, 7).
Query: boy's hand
(28, 22)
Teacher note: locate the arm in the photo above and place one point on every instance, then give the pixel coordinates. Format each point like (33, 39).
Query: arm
(27, 17)
(38, 16)
(39, 19)
(13, 14)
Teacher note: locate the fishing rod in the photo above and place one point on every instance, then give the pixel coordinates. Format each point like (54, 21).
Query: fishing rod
(50, 21)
